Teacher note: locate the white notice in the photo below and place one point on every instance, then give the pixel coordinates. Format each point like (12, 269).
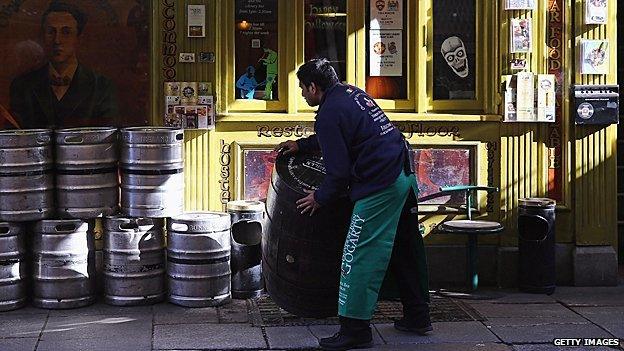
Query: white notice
(386, 53)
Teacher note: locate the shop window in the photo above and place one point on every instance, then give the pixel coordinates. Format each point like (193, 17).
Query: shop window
(325, 32)
(454, 50)
(256, 45)
(386, 43)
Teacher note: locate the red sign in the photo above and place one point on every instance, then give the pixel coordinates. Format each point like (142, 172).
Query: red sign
(555, 66)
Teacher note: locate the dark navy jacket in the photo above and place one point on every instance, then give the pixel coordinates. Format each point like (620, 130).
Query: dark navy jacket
(362, 150)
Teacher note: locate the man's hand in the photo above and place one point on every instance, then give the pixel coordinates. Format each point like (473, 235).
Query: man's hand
(287, 147)
(308, 204)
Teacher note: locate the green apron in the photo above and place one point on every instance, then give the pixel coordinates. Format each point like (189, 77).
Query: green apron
(368, 248)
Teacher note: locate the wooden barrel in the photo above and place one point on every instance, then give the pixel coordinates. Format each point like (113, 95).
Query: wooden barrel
(301, 254)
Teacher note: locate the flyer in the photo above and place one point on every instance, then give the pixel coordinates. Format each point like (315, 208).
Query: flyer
(519, 4)
(509, 112)
(386, 14)
(188, 91)
(172, 88)
(596, 11)
(386, 52)
(525, 99)
(196, 17)
(521, 36)
(545, 98)
(594, 56)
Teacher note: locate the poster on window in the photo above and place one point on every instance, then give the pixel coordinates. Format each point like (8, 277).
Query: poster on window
(386, 14)
(386, 53)
(256, 45)
(594, 56)
(435, 168)
(596, 11)
(196, 17)
(519, 4)
(74, 63)
(454, 50)
(521, 36)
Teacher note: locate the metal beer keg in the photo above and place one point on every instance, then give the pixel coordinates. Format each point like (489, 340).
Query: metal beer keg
(134, 261)
(198, 259)
(13, 272)
(248, 220)
(86, 172)
(64, 264)
(26, 181)
(152, 171)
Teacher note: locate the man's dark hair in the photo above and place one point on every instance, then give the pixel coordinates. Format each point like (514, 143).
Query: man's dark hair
(318, 71)
(59, 6)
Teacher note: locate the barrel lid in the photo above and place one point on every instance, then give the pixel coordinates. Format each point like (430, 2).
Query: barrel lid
(245, 205)
(152, 135)
(199, 222)
(25, 137)
(85, 135)
(301, 171)
(537, 202)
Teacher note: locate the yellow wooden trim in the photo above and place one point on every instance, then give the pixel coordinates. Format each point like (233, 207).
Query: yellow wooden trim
(394, 116)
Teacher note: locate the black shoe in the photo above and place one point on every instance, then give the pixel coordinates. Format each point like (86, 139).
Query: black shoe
(342, 342)
(420, 328)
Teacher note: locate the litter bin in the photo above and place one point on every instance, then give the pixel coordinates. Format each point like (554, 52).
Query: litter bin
(246, 236)
(536, 245)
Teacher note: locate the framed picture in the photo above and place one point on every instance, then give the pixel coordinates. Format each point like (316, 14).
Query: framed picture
(444, 165)
(109, 44)
(521, 35)
(254, 164)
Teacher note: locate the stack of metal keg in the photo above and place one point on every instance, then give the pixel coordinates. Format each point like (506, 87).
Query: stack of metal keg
(83, 178)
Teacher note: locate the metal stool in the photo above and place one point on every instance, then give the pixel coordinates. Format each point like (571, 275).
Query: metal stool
(473, 229)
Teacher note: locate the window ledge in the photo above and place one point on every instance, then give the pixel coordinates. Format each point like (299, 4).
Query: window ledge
(394, 116)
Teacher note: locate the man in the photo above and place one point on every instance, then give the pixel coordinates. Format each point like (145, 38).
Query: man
(62, 93)
(364, 153)
(247, 83)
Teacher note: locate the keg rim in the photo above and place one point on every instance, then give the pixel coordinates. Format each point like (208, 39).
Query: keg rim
(245, 205)
(537, 202)
(199, 215)
(152, 129)
(85, 129)
(25, 132)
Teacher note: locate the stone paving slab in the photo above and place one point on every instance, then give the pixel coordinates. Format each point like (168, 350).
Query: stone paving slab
(167, 313)
(101, 308)
(523, 310)
(234, 312)
(98, 326)
(516, 297)
(443, 332)
(208, 337)
(18, 344)
(448, 347)
(550, 347)
(97, 344)
(25, 310)
(600, 315)
(546, 333)
(534, 321)
(590, 296)
(291, 337)
(324, 331)
(615, 327)
(22, 326)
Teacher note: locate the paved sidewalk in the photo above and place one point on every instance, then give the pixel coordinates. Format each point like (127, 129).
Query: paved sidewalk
(516, 321)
